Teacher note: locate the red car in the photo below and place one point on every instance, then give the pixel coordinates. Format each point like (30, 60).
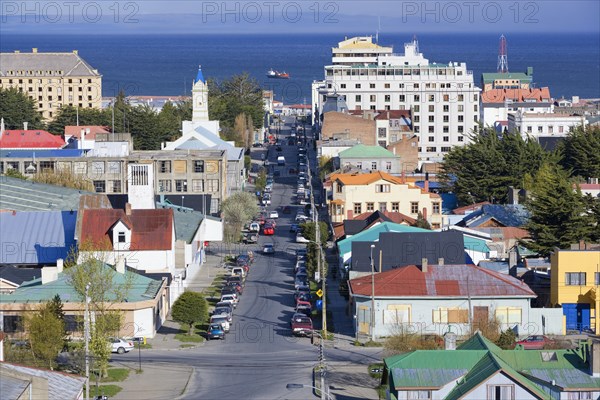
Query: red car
(302, 326)
(268, 229)
(536, 342)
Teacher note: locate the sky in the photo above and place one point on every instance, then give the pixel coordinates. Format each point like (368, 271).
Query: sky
(299, 16)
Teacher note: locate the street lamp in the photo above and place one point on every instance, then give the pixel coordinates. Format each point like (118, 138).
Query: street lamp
(372, 296)
(291, 386)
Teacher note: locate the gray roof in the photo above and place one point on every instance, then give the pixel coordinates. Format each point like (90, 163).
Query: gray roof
(187, 221)
(36, 237)
(61, 386)
(12, 388)
(25, 195)
(61, 64)
(17, 275)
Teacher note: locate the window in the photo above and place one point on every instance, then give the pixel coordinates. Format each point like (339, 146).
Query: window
(113, 167)
(461, 108)
(383, 188)
(446, 97)
(550, 129)
(446, 108)
(357, 97)
(416, 85)
(373, 165)
(460, 129)
(418, 394)
(382, 207)
(540, 129)
(357, 86)
(461, 97)
(446, 119)
(387, 98)
(370, 207)
(121, 237)
(431, 138)
(417, 98)
(165, 166)
(339, 188)
(357, 208)
(80, 167)
(431, 108)
(416, 108)
(116, 186)
(12, 323)
(387, 86)
(445, 149)
(446, 138)
(431, 97)
(575, 278)
(372, 86)
(416, 118)
(500, 392)
(381, 143)
(181, 185)
(509, 315)
(212, 185)
(198, 166)
(596, 278)
(395, 206)
(414, 207)
(197, 185)
(461, 118)
(402, 98)
(388, 166)
(373, 98)
(381, 132)
(435, 208)
(461, 138)
(359, 165)
(431, 128)
(581, 396)
(561, 129)
(164, 185)
(445, 315)
(431, 118)
(529, 129)
(100, 186)
(98, 167)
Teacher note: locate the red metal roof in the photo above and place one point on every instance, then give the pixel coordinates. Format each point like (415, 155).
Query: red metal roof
(73, 130)
(150, 229)
(516, 95)
(471, 208)
(30, 139)
(441, 281)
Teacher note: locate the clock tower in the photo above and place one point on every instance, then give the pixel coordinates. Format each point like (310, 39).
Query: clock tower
(199, 98)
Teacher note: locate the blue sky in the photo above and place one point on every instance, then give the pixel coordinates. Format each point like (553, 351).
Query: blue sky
(295, 16)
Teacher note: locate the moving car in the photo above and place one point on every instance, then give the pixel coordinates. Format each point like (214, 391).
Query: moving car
(215, 331)
(268, 230)
(273, 214)
(268, 249)
(301, 239)
(121, 346)
(536, 342)
(302, 325)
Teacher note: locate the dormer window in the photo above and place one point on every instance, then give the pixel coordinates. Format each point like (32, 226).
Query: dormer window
(121, 237)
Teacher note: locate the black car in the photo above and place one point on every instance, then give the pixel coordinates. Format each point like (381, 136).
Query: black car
(257, 144)
(228, 290)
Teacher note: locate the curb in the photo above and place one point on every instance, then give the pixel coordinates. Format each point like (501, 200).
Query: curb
(187, 384)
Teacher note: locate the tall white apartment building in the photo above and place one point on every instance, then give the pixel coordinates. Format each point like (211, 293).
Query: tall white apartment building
(443, 98)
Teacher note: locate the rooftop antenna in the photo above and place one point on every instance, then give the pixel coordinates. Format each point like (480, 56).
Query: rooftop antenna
(502, 56)
(416, 42)
(378, 29)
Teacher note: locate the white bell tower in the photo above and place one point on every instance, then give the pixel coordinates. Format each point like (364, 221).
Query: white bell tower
(199, 98)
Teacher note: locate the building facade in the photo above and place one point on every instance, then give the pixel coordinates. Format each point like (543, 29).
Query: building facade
(52, 80)
(496, 104)
(543, 124)
(442, 98)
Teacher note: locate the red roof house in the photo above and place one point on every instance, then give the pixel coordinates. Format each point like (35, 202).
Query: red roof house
(20, 139)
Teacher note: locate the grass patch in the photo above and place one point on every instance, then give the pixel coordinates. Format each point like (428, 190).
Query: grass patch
(372, 343)
(184, 337)
(187, 346)
(116, 375)
(107, 390)
(144, 345)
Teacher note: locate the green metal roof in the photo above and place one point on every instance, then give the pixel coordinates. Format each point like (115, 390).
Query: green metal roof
(371, 235)
(472, 243)
(363, 151)
(141, 288)
(492, 76)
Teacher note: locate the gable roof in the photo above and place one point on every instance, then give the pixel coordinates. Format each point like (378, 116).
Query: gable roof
(75, 131)
(442, 281)
(367, 220)
(30, 139)
(150, 229)
(515, 215)
(409, 247)
(366, 178)
(372, 234)
(517, 95)
(42, 237)
(18, 275)
(364, 151)
(61, 386)
(187, 221)
(202, 139)
(141, 288)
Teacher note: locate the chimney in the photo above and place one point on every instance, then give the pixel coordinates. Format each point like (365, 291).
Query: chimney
(425, 213)
(513, 195)
(424, 265)
(595, 359)
(582, 244)
(60, 263)
(426, 186)
(25, 125)
(120, 265)
(450, 341)
(127, 208)
(49, 274)
(441, 261)
(162, 145)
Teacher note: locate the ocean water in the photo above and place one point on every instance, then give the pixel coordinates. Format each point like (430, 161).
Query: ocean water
(167, 64)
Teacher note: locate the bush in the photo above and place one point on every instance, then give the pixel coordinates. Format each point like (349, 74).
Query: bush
(507, 339)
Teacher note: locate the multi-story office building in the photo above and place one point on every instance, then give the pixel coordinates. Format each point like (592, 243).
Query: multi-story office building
(442, 98)
(52, 80)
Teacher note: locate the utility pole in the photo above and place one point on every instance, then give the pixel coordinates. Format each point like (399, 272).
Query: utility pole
(372, 295)
(469, 300)
(87, 341)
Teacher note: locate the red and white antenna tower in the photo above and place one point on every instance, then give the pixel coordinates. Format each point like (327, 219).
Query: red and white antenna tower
(502, 56)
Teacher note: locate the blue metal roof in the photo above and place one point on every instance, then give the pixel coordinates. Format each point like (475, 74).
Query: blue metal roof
(36, 237)
(508, 215)
(57, 153)
(199, 76)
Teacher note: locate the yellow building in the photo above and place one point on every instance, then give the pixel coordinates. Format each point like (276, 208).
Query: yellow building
(574, 279)
(354, 194)
(52, 80)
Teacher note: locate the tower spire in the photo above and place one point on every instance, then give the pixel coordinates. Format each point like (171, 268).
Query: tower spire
(502, 56)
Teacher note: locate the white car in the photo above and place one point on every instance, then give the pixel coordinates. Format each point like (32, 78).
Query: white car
(301, 218)
(229, 298)
(301, 239)
(274, 214)
(222, 319)
(121, 346)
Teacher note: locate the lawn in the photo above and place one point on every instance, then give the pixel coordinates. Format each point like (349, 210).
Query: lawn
(184, 337)
(107, 390)
(116, 375)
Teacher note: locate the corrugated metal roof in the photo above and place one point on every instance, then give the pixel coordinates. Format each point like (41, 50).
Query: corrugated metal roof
(69, 64)
(57, 153)
(515, 215)
(61, 386)
(30, 139)
(186, 222)
(150, 229)
(364, 151)
(441, 281)
(25, 195)
(372, 234)
(36, 237)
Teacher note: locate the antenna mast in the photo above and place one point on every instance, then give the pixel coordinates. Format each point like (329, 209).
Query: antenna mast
(502, 56)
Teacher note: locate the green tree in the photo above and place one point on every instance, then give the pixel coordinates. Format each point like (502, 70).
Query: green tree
(55, 306)
(189, 309)
(261, 180)
(71, 116)
(16, 107)
(581, 152)
(46, 334)
(559, 216)
(14, 173)
(236, 210)
(507, 339)
(145, 128)
(422, 222)
(314, 251)
(325, 166)
(169, 120)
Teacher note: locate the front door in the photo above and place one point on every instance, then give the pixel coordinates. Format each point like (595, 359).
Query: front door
(577, 316)
(480, 316)
(364, 320)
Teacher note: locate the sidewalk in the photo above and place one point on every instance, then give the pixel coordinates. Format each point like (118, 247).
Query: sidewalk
(151, 383)
(351, 382)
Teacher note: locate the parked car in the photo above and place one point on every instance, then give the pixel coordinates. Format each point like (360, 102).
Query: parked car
(251, 238)
(301, 218)
(224, 311)
(215, 331)
(239, 289)
(238, 271)
(121, 346)
(268, 230)
(257, 144)
(268, 249)
(300, 253)
(230, 298)
(273, 214)
(222, 305)
(302, 326)
(222, 320)
(302, 296)
(301, 239)
(536, 342)
(254, 226)
(304, 309)
(294, 228)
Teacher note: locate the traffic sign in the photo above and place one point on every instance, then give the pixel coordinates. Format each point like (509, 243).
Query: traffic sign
(319, 293)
